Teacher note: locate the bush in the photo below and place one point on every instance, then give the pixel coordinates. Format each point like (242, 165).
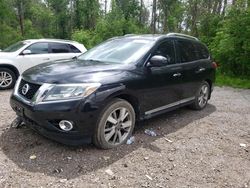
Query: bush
(231, 45)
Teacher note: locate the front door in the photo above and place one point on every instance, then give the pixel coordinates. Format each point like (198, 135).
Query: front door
(163, 84)
(38, 55)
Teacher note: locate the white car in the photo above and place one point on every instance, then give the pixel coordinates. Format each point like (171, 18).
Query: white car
(23, 55)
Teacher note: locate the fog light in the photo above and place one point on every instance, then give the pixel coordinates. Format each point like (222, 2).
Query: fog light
(66, 125)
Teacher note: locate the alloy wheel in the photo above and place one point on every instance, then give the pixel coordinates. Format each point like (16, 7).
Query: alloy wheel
(118, 126)
(203, 96)
(5, 79)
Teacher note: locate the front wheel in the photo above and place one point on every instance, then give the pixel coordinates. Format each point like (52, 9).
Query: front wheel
(201, 97)
(7, 78)
(115, 124)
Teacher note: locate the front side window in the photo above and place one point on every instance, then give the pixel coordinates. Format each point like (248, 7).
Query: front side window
(166, 49)
(187, 51)
(123, 50)
(38, 48)
(59, 48)
(15, 47)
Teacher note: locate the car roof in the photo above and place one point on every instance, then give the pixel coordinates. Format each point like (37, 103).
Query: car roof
(50, 40)
(156, 37)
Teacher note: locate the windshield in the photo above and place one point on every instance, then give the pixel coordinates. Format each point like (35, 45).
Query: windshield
(118, 50)
(14, 47)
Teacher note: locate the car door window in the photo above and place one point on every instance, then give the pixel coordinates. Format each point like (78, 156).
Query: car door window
(202, 51)
(38, 48)
(167, 50)
(59, 48)
(187, 51)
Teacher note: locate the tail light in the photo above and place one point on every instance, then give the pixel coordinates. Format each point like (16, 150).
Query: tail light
(214, 65)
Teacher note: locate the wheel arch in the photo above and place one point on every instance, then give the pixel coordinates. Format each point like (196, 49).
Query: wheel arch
(12, 68)
(210, 85)
(133, 100)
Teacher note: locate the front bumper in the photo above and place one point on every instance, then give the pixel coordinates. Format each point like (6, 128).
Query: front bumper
(44, 119)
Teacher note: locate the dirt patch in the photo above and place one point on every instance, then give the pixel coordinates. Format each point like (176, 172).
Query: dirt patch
(205, 151)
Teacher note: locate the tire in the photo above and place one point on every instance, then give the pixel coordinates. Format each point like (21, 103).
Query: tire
(7, 78)
(115, 125)
(201, 97)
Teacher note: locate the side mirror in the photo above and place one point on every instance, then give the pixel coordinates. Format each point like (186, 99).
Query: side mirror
(158, 61)
(26, 52)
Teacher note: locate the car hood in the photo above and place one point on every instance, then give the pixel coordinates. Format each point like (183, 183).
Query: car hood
(73, 71)
(6, 55)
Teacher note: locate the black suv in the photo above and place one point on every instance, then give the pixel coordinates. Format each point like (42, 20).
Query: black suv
(99, 95)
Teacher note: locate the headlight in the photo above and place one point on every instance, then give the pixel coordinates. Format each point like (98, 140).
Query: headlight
(70, 91)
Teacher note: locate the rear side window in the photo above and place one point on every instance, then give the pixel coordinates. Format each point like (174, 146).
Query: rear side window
(74, 49)
(59, 48)
(38, 48)
(187, 51)
(166, 49)
(202, 52)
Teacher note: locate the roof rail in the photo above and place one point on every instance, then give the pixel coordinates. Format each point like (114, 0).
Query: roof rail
(182, 35)
(130, 34)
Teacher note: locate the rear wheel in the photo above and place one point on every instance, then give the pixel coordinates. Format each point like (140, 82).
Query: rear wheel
(201, 97)
(115, 125)
(7, 78)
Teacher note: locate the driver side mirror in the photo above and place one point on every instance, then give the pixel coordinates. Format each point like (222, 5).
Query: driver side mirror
(26, 52)
(158, 61)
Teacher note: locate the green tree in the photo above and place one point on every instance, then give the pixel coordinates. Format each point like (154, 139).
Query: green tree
(231, 45)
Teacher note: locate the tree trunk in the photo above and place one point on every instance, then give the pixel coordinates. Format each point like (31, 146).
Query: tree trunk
(141, 12)
(105, 6)
(153, 21)
(20, 13)
(224, 7)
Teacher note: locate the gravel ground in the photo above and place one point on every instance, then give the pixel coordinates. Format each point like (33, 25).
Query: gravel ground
(209, 148)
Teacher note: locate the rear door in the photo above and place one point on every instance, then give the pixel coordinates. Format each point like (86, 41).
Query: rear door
(164, 84)
(194, 65)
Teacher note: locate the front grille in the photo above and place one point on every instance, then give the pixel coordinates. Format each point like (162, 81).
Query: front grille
(33, 88)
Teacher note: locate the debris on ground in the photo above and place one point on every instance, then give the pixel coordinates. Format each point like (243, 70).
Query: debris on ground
(58, 170)
(109, 172)
(149, 177)
(146, 158)
(150, 132)
(131, 140)
(106, 158)
(32, 157)
(243, 145)
(170, 141)
(17, 123)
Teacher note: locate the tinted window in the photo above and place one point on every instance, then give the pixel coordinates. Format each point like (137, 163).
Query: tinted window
(74, 49)
(166, 49)
(38, 48)
(202, 52)
(59, 48)
(187, 51)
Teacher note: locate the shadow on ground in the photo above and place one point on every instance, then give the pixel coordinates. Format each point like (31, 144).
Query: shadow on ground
(57, 160)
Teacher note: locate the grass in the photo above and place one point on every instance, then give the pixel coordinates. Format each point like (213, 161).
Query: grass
(224, 80)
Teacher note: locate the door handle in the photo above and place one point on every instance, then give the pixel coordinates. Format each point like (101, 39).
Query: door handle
(200, 70)
(177, 74)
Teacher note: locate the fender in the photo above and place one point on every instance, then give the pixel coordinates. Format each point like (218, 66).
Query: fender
(11, 67)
